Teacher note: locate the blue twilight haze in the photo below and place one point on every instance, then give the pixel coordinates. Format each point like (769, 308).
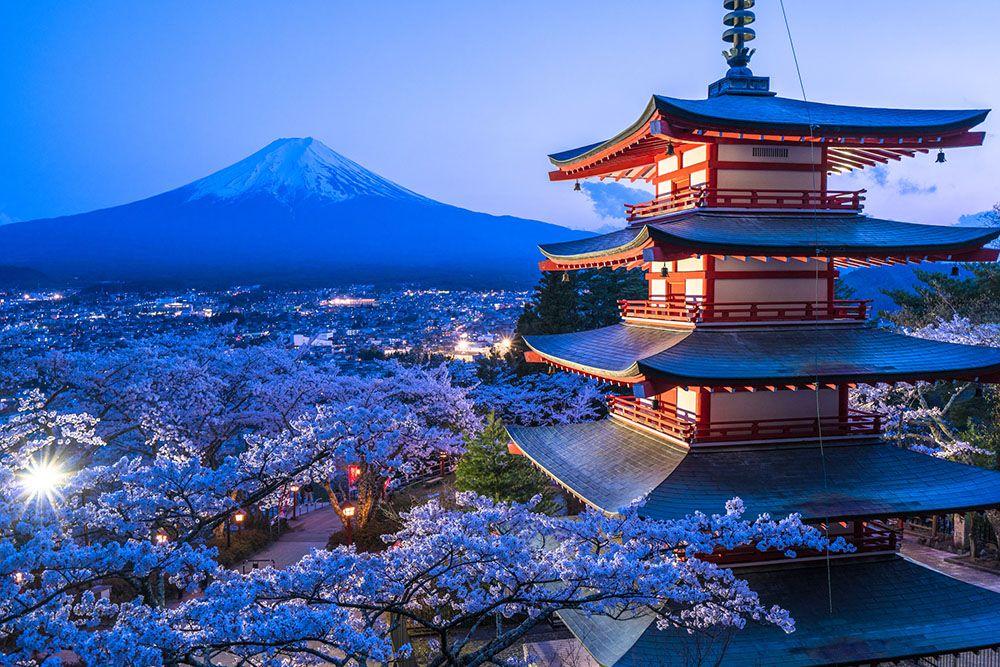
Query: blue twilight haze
(108, 102)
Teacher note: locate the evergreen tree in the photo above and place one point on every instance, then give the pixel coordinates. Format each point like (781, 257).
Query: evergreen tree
(940, 296)
(487, 468)
(600, 291)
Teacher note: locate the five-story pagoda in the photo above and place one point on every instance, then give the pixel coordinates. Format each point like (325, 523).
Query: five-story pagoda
(735, 371)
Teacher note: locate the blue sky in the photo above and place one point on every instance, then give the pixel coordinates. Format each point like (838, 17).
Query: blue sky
(102, 103)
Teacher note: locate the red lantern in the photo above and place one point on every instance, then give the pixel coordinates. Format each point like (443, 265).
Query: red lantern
(353, 473)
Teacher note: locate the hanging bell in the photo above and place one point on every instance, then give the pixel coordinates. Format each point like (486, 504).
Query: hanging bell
(941, 159)
(565, 277)
(664, 272)
(670, 149)
(576, 187)
(954, 271)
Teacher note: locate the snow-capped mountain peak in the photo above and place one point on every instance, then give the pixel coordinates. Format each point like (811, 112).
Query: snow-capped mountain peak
(294, 169)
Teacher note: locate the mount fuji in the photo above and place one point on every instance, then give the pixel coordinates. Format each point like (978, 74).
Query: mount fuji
(293, 212)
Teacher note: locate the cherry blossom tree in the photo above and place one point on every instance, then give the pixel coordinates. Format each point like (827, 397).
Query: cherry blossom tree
(451, 570)
(73, 521)
(918, 415)
(383, 428)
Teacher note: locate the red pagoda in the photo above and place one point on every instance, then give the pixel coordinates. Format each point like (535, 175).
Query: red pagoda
(735, 371)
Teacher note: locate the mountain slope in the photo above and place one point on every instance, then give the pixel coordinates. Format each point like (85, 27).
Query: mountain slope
(296, 211)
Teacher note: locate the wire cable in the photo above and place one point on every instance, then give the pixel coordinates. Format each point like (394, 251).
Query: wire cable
(816, 301)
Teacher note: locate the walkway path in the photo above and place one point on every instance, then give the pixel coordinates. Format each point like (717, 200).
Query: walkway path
(305, 534)
(938, 560)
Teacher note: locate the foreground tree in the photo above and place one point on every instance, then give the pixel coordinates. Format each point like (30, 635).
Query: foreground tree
(451, 570)
(487, 468)
(72, 521)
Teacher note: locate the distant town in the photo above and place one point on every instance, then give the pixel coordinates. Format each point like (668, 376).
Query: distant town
(352, 324)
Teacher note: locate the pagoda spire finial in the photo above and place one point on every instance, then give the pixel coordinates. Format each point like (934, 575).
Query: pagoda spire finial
(739, 80)
(738, 34)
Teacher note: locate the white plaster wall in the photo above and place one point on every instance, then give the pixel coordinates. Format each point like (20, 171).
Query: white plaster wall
(772, 405)
(694, 287)
(768, 264)
(657, 288)
(667, 165)
(766, 290)
(748, 179)
(687, 403)
(695, 156)
(699, 177)
(690, 264)
(796, 154)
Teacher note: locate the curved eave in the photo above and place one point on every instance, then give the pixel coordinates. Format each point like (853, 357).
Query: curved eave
(767, 116)
(610, 353)
(747, 233)
(821, 354)
(585, 153)
(828, 120)
(974, 240)
(628, 375)
(609, 465)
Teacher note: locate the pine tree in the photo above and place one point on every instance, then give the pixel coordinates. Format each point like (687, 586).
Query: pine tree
(487, 468)
(600, 291)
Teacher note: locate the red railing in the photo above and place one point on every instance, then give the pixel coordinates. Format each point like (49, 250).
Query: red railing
(869, 537)
(855, 422)
(709, 197)
(694, 310)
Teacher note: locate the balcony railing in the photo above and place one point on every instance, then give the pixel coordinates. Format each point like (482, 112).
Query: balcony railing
(681, 309)
(732, 198)
(854, 423)
(873, 536)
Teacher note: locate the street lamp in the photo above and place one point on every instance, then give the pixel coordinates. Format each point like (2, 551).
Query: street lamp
(294, 488)
(348, 514)
(162, 538)
(238, 517)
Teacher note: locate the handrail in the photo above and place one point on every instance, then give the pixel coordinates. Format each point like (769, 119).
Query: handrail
(874, 537)
(681, 309)
(855, 422)
(712, 197)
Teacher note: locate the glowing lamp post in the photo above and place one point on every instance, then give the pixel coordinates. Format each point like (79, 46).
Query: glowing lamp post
(348, 515)
(239, 517)
(162, 538)
(294, 488)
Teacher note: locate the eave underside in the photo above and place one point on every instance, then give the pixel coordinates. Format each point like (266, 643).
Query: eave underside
(849, 240)
(883, 609)
(609, 465)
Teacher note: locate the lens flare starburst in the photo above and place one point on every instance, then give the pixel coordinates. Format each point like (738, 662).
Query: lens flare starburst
(41, 480)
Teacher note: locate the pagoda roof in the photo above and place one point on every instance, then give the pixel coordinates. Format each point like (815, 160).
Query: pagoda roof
(777, 119)
(803, 234)
(739, 356)
(611, 464)
(883, 608)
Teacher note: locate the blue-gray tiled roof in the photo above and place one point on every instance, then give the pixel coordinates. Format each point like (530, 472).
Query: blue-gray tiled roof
(781, 115)
(810, 234)
(719, 356)
(884, 608)
(611, 465)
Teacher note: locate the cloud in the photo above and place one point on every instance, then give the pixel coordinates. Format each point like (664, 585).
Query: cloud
(880, 175)
(609, 199)
(907, 187)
